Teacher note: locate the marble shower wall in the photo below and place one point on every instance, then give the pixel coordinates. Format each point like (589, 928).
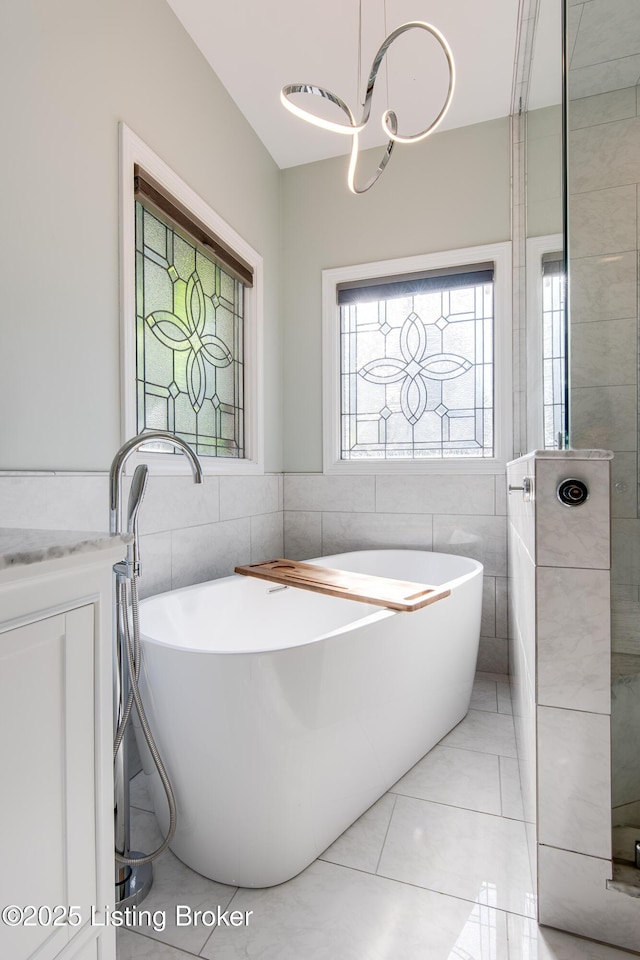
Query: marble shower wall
(452, 514)
(559, 582)
(604, 176)
(189, 533)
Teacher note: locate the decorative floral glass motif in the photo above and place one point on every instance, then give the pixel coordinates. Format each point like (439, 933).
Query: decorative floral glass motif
(417, 375)
(189, 341)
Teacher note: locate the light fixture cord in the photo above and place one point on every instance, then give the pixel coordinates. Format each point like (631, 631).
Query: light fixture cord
(359, 96)
(386, 65)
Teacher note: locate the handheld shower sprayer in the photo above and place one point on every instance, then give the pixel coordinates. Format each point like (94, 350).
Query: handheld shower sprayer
(137, 492)
(133, 870)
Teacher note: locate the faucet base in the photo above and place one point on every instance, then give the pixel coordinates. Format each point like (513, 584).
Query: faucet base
(137, 885)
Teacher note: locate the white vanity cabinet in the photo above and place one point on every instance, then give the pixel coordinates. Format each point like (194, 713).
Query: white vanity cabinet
(56, 707)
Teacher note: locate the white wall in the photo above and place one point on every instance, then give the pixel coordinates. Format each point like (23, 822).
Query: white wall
(69, 71)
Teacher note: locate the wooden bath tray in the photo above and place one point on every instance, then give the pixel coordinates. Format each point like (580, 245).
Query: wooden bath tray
(383, 591)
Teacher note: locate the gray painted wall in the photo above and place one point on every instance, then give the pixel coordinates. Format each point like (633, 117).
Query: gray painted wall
(452, 190)
(544, 171)
(69, 71)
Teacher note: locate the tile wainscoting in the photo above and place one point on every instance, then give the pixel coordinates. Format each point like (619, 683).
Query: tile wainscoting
(193, 533)
(463, 515)
(189, 533)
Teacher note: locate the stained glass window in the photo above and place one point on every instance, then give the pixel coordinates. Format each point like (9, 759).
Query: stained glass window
(553, 351)
(417, 368)
(189, 340)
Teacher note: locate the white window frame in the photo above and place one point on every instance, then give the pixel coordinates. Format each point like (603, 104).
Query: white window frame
(500, 254)
(133, 151)
(536, 249)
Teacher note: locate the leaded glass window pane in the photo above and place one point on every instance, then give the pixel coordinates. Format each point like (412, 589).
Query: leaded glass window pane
(553, 359)
(417, 375)
(189, 340)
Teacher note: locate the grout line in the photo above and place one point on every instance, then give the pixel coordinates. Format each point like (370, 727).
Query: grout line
(416, 886)
(145, 936)
(225, 908)
(386, 834)
(441, 803)
(453, 806)
(603, 123)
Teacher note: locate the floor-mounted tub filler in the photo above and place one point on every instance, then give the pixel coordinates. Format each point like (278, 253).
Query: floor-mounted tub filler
(282, 714)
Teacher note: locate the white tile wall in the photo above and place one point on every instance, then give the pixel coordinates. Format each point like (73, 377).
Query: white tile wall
(625, 696)
(600, 353)
(560, 656)
(248, 496)
(603, 221)
(451, 514)
(302, 534)
(436, 495)
(315, 491)
(574, 896)
(603, 108)
(572, 536)
(574, 652)
(574, 781)
(604, 287)
(604, 147)
(608, 31)
(522, 581)
(362, 531)
(189, 532)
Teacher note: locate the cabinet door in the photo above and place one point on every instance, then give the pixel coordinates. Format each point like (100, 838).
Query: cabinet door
(47, 800)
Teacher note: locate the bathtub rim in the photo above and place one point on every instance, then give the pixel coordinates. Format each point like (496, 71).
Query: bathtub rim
(376, 615)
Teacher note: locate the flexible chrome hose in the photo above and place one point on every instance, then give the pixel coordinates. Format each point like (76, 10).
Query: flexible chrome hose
(133, 656)
(122, 616)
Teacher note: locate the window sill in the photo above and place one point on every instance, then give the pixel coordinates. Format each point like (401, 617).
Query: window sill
(485, 466)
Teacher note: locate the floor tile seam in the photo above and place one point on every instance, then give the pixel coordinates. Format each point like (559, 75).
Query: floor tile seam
(406, 883)
(457, 806)
(495, 816)
(386, 833)
(227, 907)
(475, 710)
(187, 953)
(483, 753)
(451, 896)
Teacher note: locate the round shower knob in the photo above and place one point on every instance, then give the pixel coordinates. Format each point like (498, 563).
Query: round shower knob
(572, 492)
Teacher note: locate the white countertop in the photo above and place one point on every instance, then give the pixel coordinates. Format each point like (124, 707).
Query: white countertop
(20, 546)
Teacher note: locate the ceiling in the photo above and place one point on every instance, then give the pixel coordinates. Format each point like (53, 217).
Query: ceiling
(257, 46)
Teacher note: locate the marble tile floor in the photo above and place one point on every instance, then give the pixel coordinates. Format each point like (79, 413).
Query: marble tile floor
(437, 869)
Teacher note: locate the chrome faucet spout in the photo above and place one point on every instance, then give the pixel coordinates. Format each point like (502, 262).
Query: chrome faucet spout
(123, 454)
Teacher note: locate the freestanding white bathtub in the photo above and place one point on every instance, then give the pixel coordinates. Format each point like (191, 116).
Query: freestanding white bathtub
(282, 714)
